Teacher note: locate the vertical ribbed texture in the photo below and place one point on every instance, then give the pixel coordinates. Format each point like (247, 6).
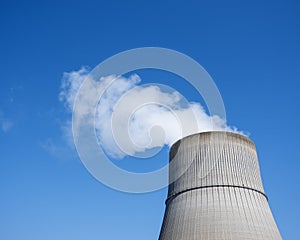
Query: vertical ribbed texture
(217, 192)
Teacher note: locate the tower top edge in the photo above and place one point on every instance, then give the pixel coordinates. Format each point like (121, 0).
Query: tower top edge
(215, 133)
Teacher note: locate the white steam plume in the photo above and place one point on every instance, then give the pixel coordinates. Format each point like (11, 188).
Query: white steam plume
(132, 118)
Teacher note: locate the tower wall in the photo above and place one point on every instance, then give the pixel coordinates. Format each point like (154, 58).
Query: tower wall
(216, 191)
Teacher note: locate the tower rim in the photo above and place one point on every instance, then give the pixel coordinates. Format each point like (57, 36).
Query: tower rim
(234, 134)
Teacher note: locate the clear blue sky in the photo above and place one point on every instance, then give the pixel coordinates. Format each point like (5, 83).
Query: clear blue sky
(250, 48)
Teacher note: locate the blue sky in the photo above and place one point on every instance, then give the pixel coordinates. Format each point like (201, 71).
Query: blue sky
(250, 48)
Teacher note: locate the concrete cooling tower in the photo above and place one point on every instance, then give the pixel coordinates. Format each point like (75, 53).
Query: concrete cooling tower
(215, 191)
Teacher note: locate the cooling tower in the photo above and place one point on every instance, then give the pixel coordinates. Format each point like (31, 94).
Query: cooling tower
(215, 191)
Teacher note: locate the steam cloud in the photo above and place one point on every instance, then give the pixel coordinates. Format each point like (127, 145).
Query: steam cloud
(133, 118)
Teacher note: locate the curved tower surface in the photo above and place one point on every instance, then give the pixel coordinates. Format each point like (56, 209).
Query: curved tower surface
(215, 191)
